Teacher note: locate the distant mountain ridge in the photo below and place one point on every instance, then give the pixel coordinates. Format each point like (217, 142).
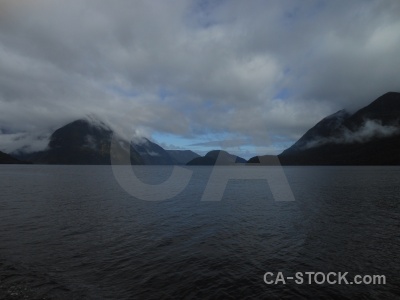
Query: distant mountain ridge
(211, 158)
(370, 136)
(182, 157)
(8, 159)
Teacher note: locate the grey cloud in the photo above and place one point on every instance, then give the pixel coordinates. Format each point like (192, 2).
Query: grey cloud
(222, 63)
(23, 142)
(152, 153)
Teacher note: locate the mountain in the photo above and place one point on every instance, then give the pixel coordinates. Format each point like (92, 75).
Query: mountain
(88, 142)
(224, 158)
(152, 154)
(8, 159)
(270, 160)
(79, 143)
(182, 157)
(370, 136)
(326, 128)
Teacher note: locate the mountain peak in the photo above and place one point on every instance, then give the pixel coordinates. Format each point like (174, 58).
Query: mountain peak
(79, 132)
(216, 153)
(388, 101)
(385, 110)
(339, 114)
(95, 120)
(223, 157)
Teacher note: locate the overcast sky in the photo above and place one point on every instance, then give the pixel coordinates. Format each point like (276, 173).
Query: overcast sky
(246, 76)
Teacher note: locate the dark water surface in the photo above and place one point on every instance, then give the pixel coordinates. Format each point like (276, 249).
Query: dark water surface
(71, 232)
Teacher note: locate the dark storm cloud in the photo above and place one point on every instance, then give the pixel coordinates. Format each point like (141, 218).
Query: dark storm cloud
(257, 69)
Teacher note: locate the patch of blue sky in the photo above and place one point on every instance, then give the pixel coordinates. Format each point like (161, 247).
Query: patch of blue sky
(171, 141)
(165, 92)
(290, 17)
(208, 104)
(234, 144)
(283, 94)
(318, 7)
(222, 141)
(299, 13)
(201, 14)
(201, 143)
(215, 136)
